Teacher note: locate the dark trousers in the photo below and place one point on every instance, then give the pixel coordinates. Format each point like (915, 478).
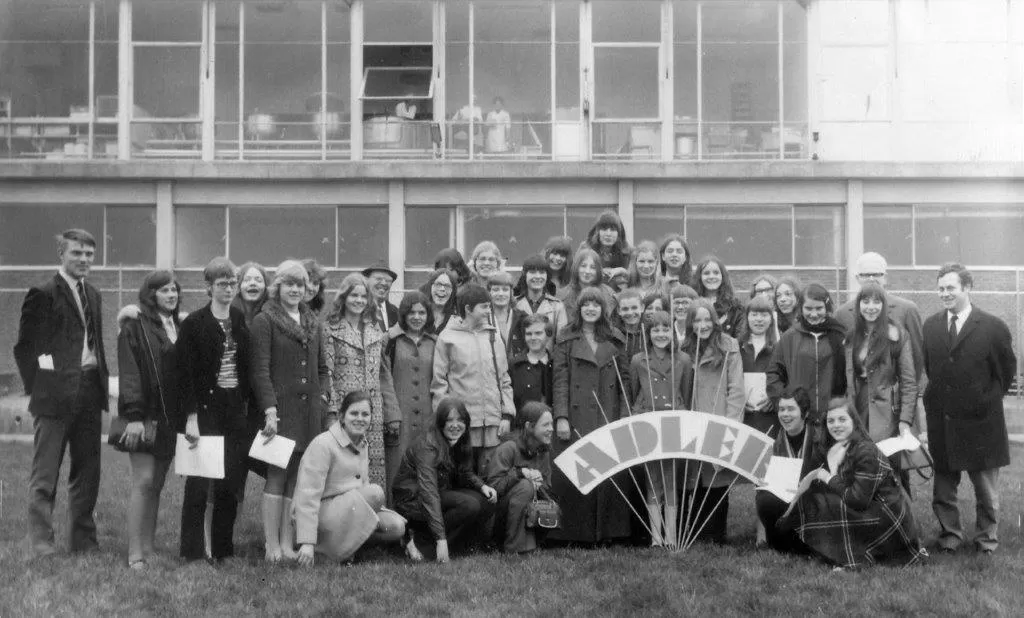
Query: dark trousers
(225, 491)
(769, 509)
(79, 433)
(700, 507)
(510, 519)
(465, 513)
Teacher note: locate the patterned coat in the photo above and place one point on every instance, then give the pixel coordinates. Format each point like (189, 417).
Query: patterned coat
(861, 515)
(355, 361)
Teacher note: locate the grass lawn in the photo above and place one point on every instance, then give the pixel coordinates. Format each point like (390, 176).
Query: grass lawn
(733, 580)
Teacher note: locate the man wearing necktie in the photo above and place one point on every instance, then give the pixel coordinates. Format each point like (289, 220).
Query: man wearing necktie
(62, 364)
(381, 278)
(969, 359)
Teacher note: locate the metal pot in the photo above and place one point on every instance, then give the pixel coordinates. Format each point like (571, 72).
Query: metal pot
(327, 124)
(260, 125)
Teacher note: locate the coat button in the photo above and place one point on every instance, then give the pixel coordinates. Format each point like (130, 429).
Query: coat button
(416, 411)
(302, 363)
(357, 476)
(415, 397)
(303, 396)
(415, 382)
(305, 380)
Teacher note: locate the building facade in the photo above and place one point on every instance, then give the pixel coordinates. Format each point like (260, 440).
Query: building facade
(784, 136)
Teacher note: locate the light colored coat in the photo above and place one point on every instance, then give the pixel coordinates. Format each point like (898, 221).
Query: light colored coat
(549, 306)
(464, 364)
(329, 512)
(718, 389)
(355, 361)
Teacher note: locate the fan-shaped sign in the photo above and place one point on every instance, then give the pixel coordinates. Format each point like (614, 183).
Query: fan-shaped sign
(668, 434)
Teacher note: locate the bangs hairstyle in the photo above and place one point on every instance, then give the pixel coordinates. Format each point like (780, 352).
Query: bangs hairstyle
(712, 346)
(218, 268)
(816, 291)
(725, 291)
(470, 295)
(288, 271)
(348, 284)
(608, 220)
(800, 396)
(451, 259)
(763, 277)
(581, 256)
(499, 278)
(147, 293)
(461, 449)
(453, 279)
(644, 247)
(878, 335)
(603, 327)
(74, 235)
(410, 300)
(658, 318)
(759, 304)
(680, 290)
(531, 413)
(627, 294)
(858, 433)
(482, 247)
(798, 291)
(534, 263)
(538, 318)
(686, 269)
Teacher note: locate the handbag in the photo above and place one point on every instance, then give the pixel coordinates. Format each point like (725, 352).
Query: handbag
(918, 459)
(118, 423)
(543, 512)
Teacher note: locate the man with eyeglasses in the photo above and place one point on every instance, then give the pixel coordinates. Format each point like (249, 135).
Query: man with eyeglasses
(213, 381)
(381, 278)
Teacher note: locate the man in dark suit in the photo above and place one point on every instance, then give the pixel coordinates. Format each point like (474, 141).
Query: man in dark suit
(61, 361)
(381, 278)
(968, 355)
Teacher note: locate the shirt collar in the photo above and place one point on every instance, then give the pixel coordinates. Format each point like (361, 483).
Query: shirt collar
(71, 281)
(342, 437)
(961, 317)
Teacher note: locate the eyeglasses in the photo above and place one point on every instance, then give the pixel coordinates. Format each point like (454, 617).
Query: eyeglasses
(225, 285)
(492, 260)
(762, 290)
(871, 275)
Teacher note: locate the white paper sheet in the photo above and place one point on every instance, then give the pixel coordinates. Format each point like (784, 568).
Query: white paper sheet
(277, 452)
(905, 442)
(782, 477)
(755, 385)
(206, 460)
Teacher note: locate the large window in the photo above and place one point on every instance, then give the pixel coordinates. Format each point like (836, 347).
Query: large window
(932, 234)
(751, 235)
(125, 235)
(337, 237)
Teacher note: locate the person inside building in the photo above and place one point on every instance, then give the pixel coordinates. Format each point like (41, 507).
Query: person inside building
(499, 128)
(337, 508)
(436, 489)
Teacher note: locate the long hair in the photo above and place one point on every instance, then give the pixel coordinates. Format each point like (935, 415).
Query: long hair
(561, 245)
(765, 277)
(250, 309)
(608, 219)
(534, 263)
(826, 441)
(878, 335)
(410, 300)
(574, 277)
(660, 318)
(317, 277)
(816, 292)
(686, 270)
(451, 259)
(713, 344)
(348, 284)
(485, 246)
(725, 294)
(645, 246)
(798, 291)
(449, 305)
(461, 451)
(759, 304)
(603, 326)
(147, 293)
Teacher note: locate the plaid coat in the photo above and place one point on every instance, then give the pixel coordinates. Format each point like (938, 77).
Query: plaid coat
(862, 515)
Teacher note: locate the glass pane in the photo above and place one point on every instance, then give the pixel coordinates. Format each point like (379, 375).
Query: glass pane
(167, 20)
(427, 231)
(978, 235)
(362, 235)
(272, 234)
(199, 235)
(684, 21)
(166, 82)
(740, 21)
(889, 230)
(741, 83)
(626, 20)
(579, 220)
(626, 84)
(685, 97)
(567, 81)
(819, 236)
(393, 83)
(27, 231)
(655, 222)
(131, 235)
(396, 21)
(742, 235)
(518, 231)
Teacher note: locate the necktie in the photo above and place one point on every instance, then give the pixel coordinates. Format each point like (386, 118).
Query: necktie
(87, 310)
(952, 330)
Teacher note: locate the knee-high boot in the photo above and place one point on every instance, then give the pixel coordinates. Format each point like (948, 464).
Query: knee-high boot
(271, 507)
(654, 520)
(288, 531)
(671, 525)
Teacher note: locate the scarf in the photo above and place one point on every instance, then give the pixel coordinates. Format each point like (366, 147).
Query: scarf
(304, 333)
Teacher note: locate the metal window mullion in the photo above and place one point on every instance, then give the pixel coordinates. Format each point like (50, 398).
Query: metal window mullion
(323, 84)
(700, 81)
(913, 235)
(792, 234)
(125, 70)
(472, 78)
(337, 234)
(241, 81)
(227, 232)
(191, 44)
(458, 213)
(106, 243)
(92, 79)
(554, 67)
(782, 84)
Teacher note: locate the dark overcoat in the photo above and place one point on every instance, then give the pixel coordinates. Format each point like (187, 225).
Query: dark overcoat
(964, 397)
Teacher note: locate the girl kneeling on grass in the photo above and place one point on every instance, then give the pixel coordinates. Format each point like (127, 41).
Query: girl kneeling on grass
(852, 511)
(337, 509)
(519, 470)
(436, 489)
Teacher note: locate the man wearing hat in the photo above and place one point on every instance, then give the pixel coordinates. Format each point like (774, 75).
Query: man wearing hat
(380, 278)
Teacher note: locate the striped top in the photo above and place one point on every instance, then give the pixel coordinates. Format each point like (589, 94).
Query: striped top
(228, 376)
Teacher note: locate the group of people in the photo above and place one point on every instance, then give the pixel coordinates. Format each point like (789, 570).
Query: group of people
(434, 423)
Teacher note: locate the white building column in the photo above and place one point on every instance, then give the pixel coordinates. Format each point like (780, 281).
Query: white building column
(626, 208)
(396, 227)
(355, 79)
(854, 229)
(165, 232)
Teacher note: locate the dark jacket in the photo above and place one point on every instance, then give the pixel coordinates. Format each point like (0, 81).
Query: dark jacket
(661, 383)
(515, 341)
(966, 385)
(289, 370)
(766, 419)
(731, 316)
(815, 363)
(148, 378)
(512, 455)
(884, 387)
(52, 324)
(428, 468)
(200, 348)
(531, 381)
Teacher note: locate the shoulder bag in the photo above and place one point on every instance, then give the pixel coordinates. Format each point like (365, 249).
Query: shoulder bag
(115, 434)
(543, 512)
